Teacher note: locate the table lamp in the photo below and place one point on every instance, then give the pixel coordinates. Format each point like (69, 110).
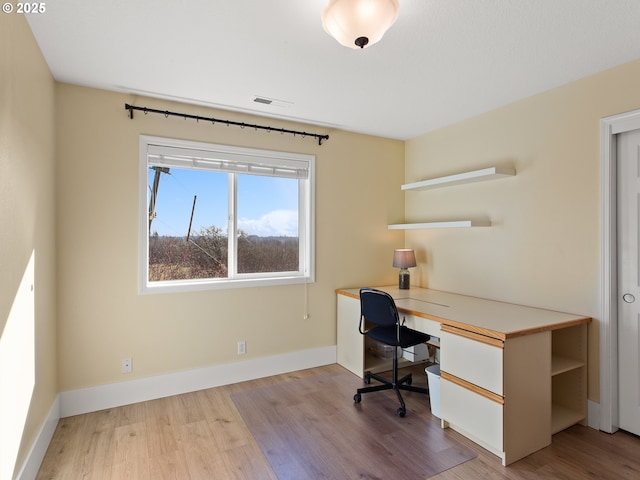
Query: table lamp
(404, 258)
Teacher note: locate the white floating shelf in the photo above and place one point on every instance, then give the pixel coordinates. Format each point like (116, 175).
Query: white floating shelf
(452, 224)
(460, 178)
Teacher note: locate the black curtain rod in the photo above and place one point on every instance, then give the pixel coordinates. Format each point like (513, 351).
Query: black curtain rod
(167, 113)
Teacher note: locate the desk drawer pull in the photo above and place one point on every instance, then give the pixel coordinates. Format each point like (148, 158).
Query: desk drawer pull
(473, 388)
(494, 342)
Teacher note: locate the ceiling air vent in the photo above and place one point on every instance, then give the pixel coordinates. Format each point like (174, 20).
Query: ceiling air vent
(271, 101)
(266, 101)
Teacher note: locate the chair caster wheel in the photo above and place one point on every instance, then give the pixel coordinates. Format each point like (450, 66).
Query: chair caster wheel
(401, 412)
(367, 378)
(409, 380)
(357, 398)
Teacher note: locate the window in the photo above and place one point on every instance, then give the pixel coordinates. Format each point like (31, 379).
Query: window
(217, 216)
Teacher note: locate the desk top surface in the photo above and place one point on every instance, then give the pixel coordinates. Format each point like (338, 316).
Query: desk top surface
(487, 317)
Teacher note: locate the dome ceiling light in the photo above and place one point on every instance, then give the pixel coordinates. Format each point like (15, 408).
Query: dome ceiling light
(359, 23)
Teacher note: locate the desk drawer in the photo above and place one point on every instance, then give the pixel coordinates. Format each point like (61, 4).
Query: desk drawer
(421, 324)
(473, 414)
(471, 359)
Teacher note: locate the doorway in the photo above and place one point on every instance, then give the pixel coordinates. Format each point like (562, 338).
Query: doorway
(628, 210)
(610, 129)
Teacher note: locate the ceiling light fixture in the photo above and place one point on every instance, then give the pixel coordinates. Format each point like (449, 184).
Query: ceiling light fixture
(359, 23)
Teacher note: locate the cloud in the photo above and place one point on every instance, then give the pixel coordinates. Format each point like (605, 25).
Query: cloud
(275, 223)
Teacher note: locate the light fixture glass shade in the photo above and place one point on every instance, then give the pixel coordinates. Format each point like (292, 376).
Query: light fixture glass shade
(351, 21)
(404, 258)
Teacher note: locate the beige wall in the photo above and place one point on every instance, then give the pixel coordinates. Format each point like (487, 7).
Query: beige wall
(543, 248)
(27, 216)
(102, 318)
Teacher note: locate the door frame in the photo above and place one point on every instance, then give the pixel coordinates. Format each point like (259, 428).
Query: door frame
(609, 128)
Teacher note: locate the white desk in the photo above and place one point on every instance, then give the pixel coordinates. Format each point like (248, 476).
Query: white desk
(511, 376)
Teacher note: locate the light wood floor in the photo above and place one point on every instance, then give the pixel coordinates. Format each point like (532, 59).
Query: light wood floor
(200, 435)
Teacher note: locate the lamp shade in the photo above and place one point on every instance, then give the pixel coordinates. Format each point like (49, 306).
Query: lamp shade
(404, 258)
(359, 23)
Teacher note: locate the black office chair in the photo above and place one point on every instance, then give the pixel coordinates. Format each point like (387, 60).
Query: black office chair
(379, 311)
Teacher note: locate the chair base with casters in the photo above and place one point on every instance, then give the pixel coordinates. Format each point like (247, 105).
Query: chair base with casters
(378, 310)
(394, 383)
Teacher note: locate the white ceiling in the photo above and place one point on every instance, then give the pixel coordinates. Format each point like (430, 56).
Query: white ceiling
(441, 62)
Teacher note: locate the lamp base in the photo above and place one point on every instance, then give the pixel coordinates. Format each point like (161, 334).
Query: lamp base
(404, 280)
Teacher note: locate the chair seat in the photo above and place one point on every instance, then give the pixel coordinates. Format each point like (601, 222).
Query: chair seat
(408, 336)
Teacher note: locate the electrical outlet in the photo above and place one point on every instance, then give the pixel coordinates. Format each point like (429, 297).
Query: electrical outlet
(126, 365)
(242, 347)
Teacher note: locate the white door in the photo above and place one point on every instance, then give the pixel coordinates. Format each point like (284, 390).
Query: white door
(628, 156)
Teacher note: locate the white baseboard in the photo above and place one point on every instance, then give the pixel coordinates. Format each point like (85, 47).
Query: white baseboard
(75, 402)
(32, 464)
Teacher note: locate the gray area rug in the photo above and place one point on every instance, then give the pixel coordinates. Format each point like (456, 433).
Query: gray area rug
(310, 428)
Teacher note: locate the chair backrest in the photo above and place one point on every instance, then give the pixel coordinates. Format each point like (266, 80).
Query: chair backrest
(378, 308)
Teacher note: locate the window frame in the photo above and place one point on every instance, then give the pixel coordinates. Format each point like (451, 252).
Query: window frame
(306, 221)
